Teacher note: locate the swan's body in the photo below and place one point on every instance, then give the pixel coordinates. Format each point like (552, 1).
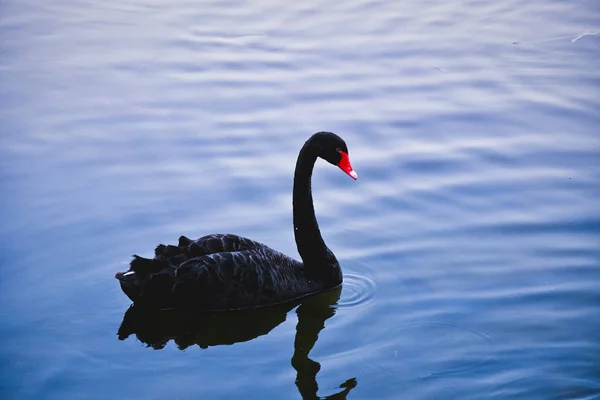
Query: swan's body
(221, 272)
(226, 272)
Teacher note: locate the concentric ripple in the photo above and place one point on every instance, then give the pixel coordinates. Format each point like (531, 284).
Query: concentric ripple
(357, 291)
(425, 349)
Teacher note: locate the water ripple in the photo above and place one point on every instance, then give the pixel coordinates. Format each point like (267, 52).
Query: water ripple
(358, 290)
(427, 349)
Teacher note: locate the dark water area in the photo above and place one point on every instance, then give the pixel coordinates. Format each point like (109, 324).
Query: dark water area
(470, 244)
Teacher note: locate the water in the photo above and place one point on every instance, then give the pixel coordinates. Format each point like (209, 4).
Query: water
(470, 243)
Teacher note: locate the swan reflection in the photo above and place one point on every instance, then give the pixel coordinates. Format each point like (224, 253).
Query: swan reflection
(157, 328)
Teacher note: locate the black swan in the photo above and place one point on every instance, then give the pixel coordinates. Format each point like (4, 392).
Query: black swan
(229, 272)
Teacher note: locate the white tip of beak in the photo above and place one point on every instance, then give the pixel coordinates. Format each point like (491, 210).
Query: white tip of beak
(353, 174)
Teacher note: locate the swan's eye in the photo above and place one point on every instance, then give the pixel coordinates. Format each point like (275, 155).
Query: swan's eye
(338, 150)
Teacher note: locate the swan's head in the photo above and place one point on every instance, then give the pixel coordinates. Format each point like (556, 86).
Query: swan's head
(333, 149)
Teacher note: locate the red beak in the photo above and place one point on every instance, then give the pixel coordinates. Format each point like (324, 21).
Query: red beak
(345, 165)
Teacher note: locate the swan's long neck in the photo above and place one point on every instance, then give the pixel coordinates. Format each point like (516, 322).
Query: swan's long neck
(311, 246)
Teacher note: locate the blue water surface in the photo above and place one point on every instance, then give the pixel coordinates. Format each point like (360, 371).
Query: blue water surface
(470, 243)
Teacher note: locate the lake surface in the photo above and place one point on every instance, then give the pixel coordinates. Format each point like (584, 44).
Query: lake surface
(470, 243)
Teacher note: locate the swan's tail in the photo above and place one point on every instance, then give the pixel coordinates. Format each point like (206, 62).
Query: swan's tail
(174, 254)
(140, 269)
(144, 266)
(134, 281)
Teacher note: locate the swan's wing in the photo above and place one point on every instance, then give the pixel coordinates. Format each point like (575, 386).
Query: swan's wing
(228, 281)
(211, 244)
